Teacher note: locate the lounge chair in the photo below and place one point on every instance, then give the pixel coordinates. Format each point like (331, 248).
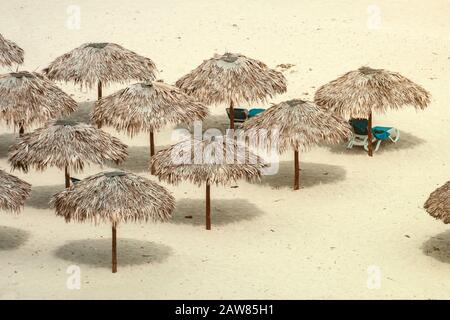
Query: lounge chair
(242, 114)
(360, 135)
(74, 180)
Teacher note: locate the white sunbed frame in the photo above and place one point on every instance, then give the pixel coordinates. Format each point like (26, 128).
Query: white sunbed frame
(363, 140)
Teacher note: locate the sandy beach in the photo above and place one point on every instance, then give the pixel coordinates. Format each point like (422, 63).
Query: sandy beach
(355, 230)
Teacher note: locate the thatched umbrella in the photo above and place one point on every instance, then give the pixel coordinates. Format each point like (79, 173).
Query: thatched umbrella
(28, 97)
(214, 161)
(232, 79)
(10, 52)
(147, 107)
(438, 204)
(361, 92)
(297, 125)
(114, 197)
(99, 64)
(66, 145)
(13, 192)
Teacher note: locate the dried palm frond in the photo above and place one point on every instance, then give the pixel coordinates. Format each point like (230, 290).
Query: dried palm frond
(147, 107)
(65, 145)
(10, 52)
(360, 92)
(298, 125)
(106, 62)
(27, 98)
(13, 192)
(114, 197)
(438, 204)
(232, 78)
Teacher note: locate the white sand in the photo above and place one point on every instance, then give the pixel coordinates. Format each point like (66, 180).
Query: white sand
(267, 241)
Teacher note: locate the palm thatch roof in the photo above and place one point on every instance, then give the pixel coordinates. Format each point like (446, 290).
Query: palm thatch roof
(297, 125)
(232, 78)
(438, 204)
(27, 98)
(104, 62)
(218, 160)
(114, 197)
(65, 144)
(360, 92)
(10, 52)
(13, 192)
(147, 107)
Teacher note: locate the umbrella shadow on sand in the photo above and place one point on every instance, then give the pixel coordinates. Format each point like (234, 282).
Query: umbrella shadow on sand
(41, 195)
(223, 211)
(438, 247)
(6, 140)
(407, 141)
(12, 238)
(138, 159)
(97, 252)
(220, 122)
(311, 174)
(82, 113)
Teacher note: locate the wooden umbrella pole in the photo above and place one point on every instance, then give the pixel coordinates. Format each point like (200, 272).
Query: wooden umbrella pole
(231, 115)
(114, 248)
(208, 206)
(99, 90)
(369, 136)
(99, 96)
(67, 176)
(297, 171)
(152, 150)
(21, 130)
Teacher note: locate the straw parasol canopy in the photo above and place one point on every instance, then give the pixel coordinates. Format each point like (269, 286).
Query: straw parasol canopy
(361, 92)
(214, 161)
(438, 204)
(297, 125)
(66, 145)
(232, 79)
(100, 64)
(28, 97)
(114, 197)
(13, 192)
(147, 107)
(10, 52)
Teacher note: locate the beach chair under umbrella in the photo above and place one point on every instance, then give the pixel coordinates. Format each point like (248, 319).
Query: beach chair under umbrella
(297, 125)
(28, 98)
(67, 145)
(147, 107)
(232, 79)
(10, 53)
(360, 93)
(98, 64)
(13, 192)
(213, 161)
(114, 197)
(438, 204)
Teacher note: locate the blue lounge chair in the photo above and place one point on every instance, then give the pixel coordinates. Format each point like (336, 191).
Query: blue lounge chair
(360, 135)
(74, 180)
(242, 114)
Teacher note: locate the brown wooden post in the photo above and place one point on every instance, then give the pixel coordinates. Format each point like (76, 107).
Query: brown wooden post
(152, 150)
(67, 176)
(99, 90)
(99, 96)
(114, 248)
(208, 206)
(297, 171)
(231, 115)
(369, 136)
(21, 130)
